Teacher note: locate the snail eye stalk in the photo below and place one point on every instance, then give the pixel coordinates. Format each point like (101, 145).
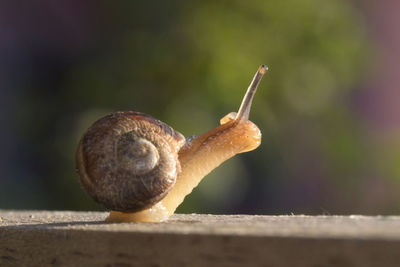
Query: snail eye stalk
(244, 110)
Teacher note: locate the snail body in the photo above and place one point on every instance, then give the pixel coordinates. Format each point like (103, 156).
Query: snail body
(141, 169)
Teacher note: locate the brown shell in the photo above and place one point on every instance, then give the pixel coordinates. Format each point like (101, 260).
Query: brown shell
(128, 161)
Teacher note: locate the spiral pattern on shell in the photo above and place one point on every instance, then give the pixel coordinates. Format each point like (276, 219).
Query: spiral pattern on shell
(128, 161)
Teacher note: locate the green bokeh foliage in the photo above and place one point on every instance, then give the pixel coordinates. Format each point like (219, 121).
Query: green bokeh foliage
(189, 64)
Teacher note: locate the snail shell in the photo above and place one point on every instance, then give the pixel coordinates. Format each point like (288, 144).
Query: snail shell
(128, 161)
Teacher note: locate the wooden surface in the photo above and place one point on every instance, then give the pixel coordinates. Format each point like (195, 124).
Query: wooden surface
(41, 238)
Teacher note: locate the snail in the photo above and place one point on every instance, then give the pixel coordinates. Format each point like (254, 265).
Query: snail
(141, 169)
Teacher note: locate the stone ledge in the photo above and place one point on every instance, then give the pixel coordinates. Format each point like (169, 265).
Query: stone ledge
(45, 238)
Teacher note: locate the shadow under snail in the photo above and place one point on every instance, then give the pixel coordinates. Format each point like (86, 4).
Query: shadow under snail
(142, 169)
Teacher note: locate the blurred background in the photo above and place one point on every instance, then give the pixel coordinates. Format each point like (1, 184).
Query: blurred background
(329, 108)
